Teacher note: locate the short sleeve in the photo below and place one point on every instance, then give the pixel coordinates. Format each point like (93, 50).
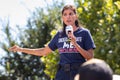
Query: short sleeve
(89, 43)
(53, 43)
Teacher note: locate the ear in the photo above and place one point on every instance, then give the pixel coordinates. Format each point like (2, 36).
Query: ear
(76, 16)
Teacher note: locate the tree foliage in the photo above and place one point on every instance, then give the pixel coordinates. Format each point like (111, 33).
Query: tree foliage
(20, 66)
(36, 35)
(102, 18)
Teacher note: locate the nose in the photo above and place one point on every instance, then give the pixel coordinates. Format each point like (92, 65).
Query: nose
(68, 16)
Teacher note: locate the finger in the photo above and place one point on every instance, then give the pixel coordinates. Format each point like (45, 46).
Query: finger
(14, 51)
(12, 48)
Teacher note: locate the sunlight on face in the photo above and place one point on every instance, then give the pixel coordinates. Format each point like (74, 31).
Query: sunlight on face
(69, 17)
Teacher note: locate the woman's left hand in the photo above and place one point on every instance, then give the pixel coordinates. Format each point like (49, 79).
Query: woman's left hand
(72, 38)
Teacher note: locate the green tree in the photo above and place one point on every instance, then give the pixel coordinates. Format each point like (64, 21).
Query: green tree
(102, 18)
(21, 66)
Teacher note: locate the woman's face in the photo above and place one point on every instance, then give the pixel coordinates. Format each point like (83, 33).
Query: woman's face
(69, 17)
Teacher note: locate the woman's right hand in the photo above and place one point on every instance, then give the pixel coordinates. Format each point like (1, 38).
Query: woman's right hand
(15, 48)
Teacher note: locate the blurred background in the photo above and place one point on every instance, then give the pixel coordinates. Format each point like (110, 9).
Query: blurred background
(32, 24)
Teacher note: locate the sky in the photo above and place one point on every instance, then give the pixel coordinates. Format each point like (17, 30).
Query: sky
(17, 11)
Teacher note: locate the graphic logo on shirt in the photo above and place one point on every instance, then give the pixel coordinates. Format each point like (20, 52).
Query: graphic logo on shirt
(67, 46)
(65, 39)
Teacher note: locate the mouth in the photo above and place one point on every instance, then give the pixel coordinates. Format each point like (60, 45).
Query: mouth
(68, 21)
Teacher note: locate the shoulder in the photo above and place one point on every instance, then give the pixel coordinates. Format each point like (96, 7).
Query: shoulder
(83, 30)
(61, 33)
(58, 33)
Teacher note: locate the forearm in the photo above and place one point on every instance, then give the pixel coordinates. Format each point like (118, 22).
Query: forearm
(86, 54)
(37, 52)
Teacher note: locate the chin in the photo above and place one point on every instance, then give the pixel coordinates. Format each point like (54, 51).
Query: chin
(69, 24)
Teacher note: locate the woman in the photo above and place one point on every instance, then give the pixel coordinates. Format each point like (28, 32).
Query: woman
(72, 53)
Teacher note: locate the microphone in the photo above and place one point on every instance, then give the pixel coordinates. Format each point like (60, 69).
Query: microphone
(69, 29)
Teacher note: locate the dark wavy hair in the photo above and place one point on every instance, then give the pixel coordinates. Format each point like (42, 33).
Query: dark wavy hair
(95, 69)
(73, 8)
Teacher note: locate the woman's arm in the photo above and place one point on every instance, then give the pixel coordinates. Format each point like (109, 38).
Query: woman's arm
(38, 52)
(87, 54)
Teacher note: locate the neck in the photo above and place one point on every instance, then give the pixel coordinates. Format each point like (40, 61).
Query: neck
(75, 28)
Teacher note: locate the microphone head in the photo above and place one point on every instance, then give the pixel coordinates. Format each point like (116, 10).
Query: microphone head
(69, 29)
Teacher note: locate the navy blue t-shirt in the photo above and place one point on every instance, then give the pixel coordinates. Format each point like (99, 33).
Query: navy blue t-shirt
(68, 53)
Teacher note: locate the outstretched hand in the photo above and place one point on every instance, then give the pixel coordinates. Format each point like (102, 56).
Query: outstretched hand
(15, 48)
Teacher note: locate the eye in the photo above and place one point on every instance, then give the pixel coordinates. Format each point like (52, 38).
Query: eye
(71, 14)
(64, 14)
